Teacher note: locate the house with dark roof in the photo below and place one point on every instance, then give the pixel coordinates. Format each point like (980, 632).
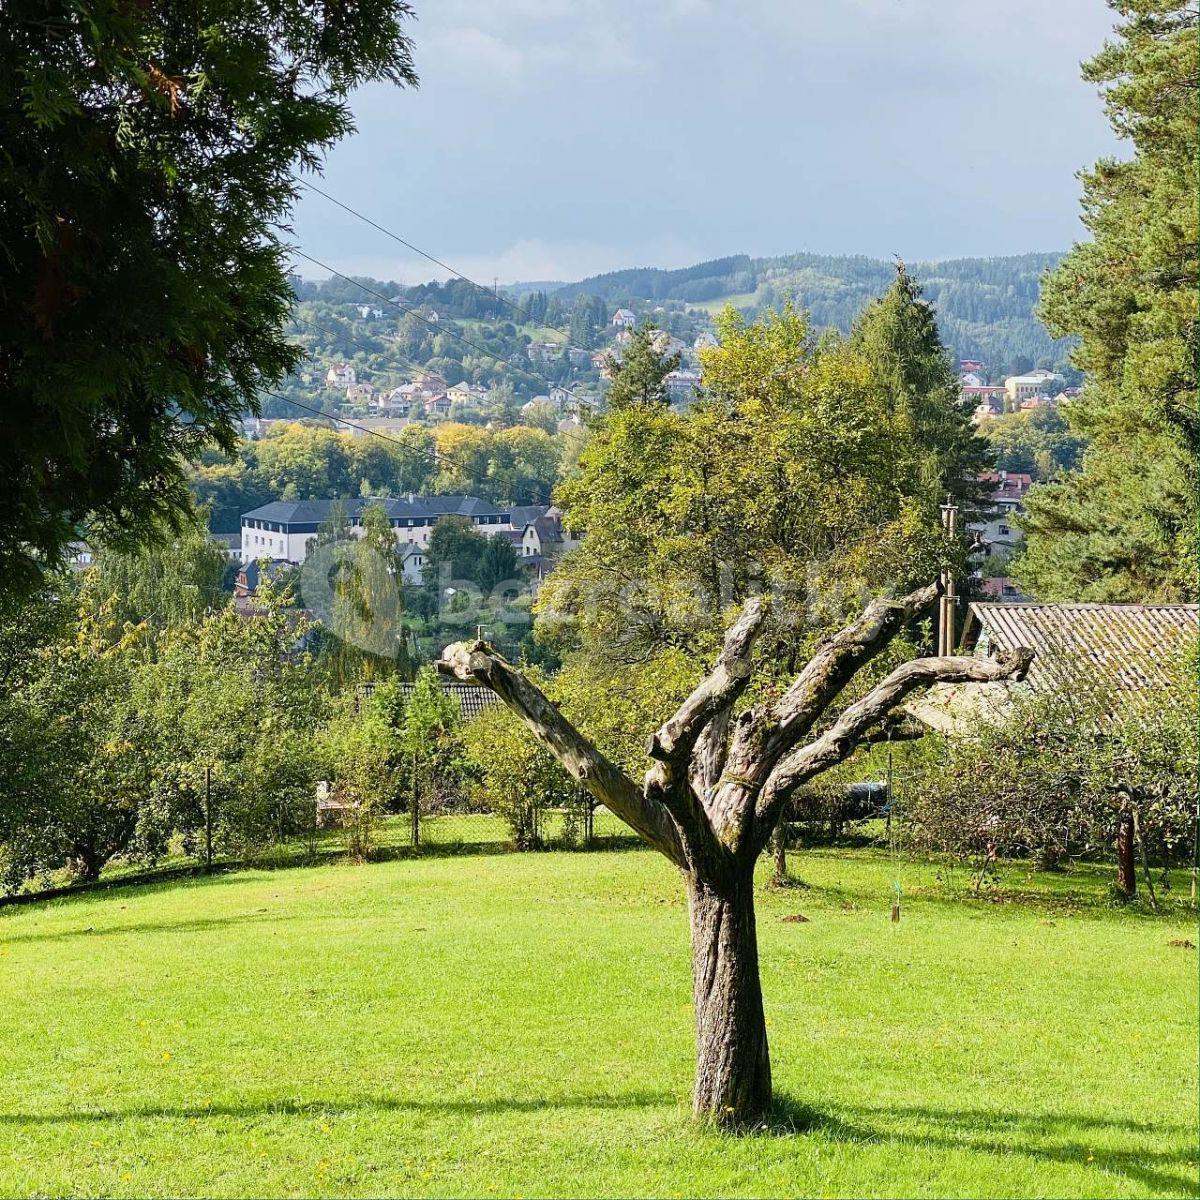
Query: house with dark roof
(286, 529)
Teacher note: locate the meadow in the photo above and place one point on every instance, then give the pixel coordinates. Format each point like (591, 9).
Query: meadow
(509, 1024)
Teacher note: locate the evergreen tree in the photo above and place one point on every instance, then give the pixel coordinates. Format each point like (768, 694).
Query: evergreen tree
(1124, 527)
(898, 334)
(640, 376)
(149, 159)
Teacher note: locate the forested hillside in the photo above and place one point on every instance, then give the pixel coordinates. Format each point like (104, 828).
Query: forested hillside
(985, 305)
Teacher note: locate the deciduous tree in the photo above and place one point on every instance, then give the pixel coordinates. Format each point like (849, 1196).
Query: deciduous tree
(710, 797)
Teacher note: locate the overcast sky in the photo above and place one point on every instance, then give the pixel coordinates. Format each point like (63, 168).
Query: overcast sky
(552, 139)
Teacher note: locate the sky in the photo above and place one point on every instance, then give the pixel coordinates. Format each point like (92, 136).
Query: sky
(554, 139)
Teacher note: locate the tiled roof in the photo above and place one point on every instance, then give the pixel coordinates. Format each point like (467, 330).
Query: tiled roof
(472, 699)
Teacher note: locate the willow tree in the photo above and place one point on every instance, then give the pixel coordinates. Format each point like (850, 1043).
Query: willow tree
(716, 780)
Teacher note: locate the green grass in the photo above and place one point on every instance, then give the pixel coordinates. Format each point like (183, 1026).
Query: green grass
(737, 299)
(521, 1025)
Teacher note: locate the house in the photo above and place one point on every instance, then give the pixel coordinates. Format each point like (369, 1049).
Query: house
(973, 366)
(705, 341)
(360, 393)
(341, 375)
(253, 572)
(682, 385)
(1021, 387)
(231, 543)
(542, 538)
(987, 402)
(1115, 651)
(665, 344)
(79, 555)
(437, 405)
(560, 397)
(970, 379)
(601, 362)
(286, 529)
(430, 384)
(624, 318)
(1034, 402)
(467, 393)
(412, 562)
(1007, 490)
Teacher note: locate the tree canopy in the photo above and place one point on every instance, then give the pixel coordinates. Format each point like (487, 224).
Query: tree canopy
(1124, 527)
(148, 156)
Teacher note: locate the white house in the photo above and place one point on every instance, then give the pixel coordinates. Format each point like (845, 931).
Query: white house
(285, 530)
(341, 375)
(624, 318)
(1005, 501)
(705, 341)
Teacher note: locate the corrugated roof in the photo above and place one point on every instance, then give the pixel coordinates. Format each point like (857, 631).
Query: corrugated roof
(1130, 647)
(472, 698)
(1111, 652)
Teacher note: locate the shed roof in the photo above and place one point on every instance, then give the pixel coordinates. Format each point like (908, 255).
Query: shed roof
(1119, 652)
(1130, 647)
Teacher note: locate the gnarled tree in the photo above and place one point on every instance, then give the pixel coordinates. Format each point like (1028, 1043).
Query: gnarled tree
(713, 791)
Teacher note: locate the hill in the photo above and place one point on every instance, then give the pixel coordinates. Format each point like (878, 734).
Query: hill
(985, 305)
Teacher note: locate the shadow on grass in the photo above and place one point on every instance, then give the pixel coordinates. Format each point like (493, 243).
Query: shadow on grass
(1048, 1137)
(322, 856)
(1041, 1137)
(328, 1108)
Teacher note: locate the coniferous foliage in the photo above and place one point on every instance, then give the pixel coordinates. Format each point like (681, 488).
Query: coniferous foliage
(1124, 527)
(148, 154)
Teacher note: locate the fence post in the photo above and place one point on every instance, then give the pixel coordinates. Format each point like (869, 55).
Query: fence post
(208, 857)
(416, 802)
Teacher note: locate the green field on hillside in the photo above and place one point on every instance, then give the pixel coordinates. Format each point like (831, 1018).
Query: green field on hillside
(502, 1024)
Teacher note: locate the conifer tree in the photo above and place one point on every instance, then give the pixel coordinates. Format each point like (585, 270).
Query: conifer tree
(1124, 527)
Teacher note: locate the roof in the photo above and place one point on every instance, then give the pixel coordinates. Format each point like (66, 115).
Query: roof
(1122, 650)
(525, 514)
(472, 698)
(1131, 647)
(314, 512)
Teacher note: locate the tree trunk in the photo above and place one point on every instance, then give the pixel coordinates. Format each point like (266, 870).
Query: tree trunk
(1126, 864)
(733, 1065)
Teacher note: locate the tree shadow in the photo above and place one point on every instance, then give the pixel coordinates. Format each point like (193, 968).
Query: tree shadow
(345, 1107)
(1047, 1137)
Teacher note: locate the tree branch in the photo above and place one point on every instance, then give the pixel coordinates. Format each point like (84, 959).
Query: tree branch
(763, 736)
(688, 746)
(672, 745)
(835, 663)
(478, 663)
(839, 741)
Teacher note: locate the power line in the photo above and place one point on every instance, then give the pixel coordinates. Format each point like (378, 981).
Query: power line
(411, 309)
(494, 292)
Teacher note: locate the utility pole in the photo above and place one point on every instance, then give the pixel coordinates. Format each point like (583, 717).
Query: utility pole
(947, 607)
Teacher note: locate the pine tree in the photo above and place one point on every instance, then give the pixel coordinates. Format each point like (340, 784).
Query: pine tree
(898, 334)
(640, 376)
(1124, 527)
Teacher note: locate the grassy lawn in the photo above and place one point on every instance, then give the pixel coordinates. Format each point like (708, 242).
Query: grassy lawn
(737, 299)
(521, 1025)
